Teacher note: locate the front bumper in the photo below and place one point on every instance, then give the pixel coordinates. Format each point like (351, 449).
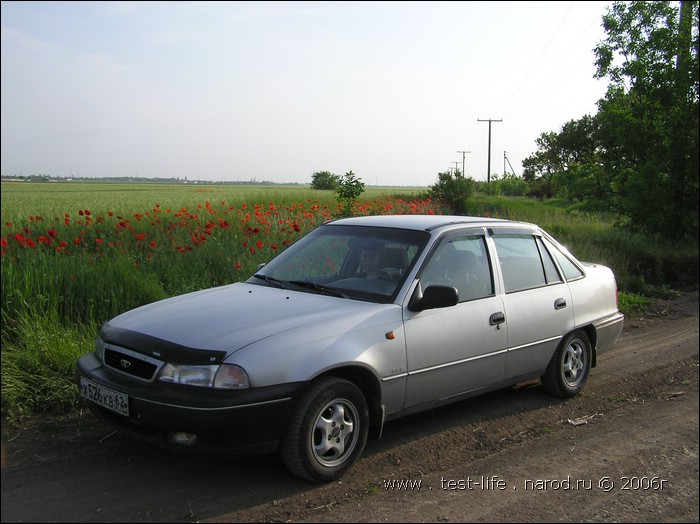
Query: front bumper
(227, 422)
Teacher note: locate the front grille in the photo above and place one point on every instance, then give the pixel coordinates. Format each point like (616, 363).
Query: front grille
(130, 363)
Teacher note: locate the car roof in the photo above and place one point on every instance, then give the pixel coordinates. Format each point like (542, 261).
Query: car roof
(425, 222)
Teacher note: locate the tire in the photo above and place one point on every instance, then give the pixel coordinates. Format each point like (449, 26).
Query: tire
(570, 366)
(327, 430)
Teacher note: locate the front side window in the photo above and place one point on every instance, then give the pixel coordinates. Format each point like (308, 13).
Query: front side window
(463, 263)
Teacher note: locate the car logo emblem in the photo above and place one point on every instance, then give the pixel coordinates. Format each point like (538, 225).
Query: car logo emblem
(125, 363)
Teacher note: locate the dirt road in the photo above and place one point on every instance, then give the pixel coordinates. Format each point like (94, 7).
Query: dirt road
(625, 450)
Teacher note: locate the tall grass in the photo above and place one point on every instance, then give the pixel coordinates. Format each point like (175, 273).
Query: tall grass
(38, 364)
(75, 255)
(640, 262)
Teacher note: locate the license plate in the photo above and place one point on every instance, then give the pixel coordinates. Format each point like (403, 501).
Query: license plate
(105, 397)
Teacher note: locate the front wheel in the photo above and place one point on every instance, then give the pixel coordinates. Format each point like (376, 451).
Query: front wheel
(568, 370)
(327, 430)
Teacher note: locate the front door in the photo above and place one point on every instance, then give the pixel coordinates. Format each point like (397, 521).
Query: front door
(459, 349)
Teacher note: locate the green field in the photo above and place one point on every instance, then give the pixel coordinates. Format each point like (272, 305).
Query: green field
(21, 199)
(76, 254)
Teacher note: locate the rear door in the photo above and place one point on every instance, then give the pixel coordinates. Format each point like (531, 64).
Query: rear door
(537, 302)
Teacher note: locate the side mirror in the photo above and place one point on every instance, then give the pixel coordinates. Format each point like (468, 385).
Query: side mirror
(433, 297)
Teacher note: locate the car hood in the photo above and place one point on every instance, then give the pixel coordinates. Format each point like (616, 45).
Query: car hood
(228, 318)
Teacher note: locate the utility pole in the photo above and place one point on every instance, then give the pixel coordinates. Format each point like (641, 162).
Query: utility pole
(464, 153)
(455, 163)
(488, 173)
(505, 159)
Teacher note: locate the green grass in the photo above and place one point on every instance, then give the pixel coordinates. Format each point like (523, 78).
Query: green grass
(633, 304)
(38, 365)
(77, 254)
(640, 263)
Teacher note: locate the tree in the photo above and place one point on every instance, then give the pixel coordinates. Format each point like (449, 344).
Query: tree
(567, 164)
(540, 168)
(324, 180)
(648, 119)
(638, 156)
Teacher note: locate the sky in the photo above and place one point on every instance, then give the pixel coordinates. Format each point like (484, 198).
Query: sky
(275, 91)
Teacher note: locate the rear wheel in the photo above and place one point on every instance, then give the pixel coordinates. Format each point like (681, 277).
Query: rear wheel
(570, 366)
(327, 430)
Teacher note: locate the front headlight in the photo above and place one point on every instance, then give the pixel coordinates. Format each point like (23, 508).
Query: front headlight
(219, 376)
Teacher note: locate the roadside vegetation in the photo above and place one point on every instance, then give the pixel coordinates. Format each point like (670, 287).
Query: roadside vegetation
(618, 188)
(75, 255)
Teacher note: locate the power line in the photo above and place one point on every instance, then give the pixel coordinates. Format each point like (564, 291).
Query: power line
(522, 82)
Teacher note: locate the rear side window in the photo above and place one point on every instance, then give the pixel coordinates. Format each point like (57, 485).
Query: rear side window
(525, 263)
(550, 270)
(571, 270)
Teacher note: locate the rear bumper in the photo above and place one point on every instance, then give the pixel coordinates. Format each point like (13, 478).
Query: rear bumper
(224, 422)
(608, 331)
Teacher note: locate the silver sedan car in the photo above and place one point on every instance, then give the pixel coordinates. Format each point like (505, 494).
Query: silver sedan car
(361, 321)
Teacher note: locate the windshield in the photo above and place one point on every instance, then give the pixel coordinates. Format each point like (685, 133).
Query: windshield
(367, 263)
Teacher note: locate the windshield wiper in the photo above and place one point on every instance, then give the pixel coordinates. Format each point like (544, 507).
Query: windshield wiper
(318, 287)
(271, 280)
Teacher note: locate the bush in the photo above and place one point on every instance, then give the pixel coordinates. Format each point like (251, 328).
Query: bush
(453, 191)
(512, 185)
(349, 189)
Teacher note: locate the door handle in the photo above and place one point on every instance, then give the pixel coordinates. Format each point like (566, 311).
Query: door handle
(497, 318)
(559, 303)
